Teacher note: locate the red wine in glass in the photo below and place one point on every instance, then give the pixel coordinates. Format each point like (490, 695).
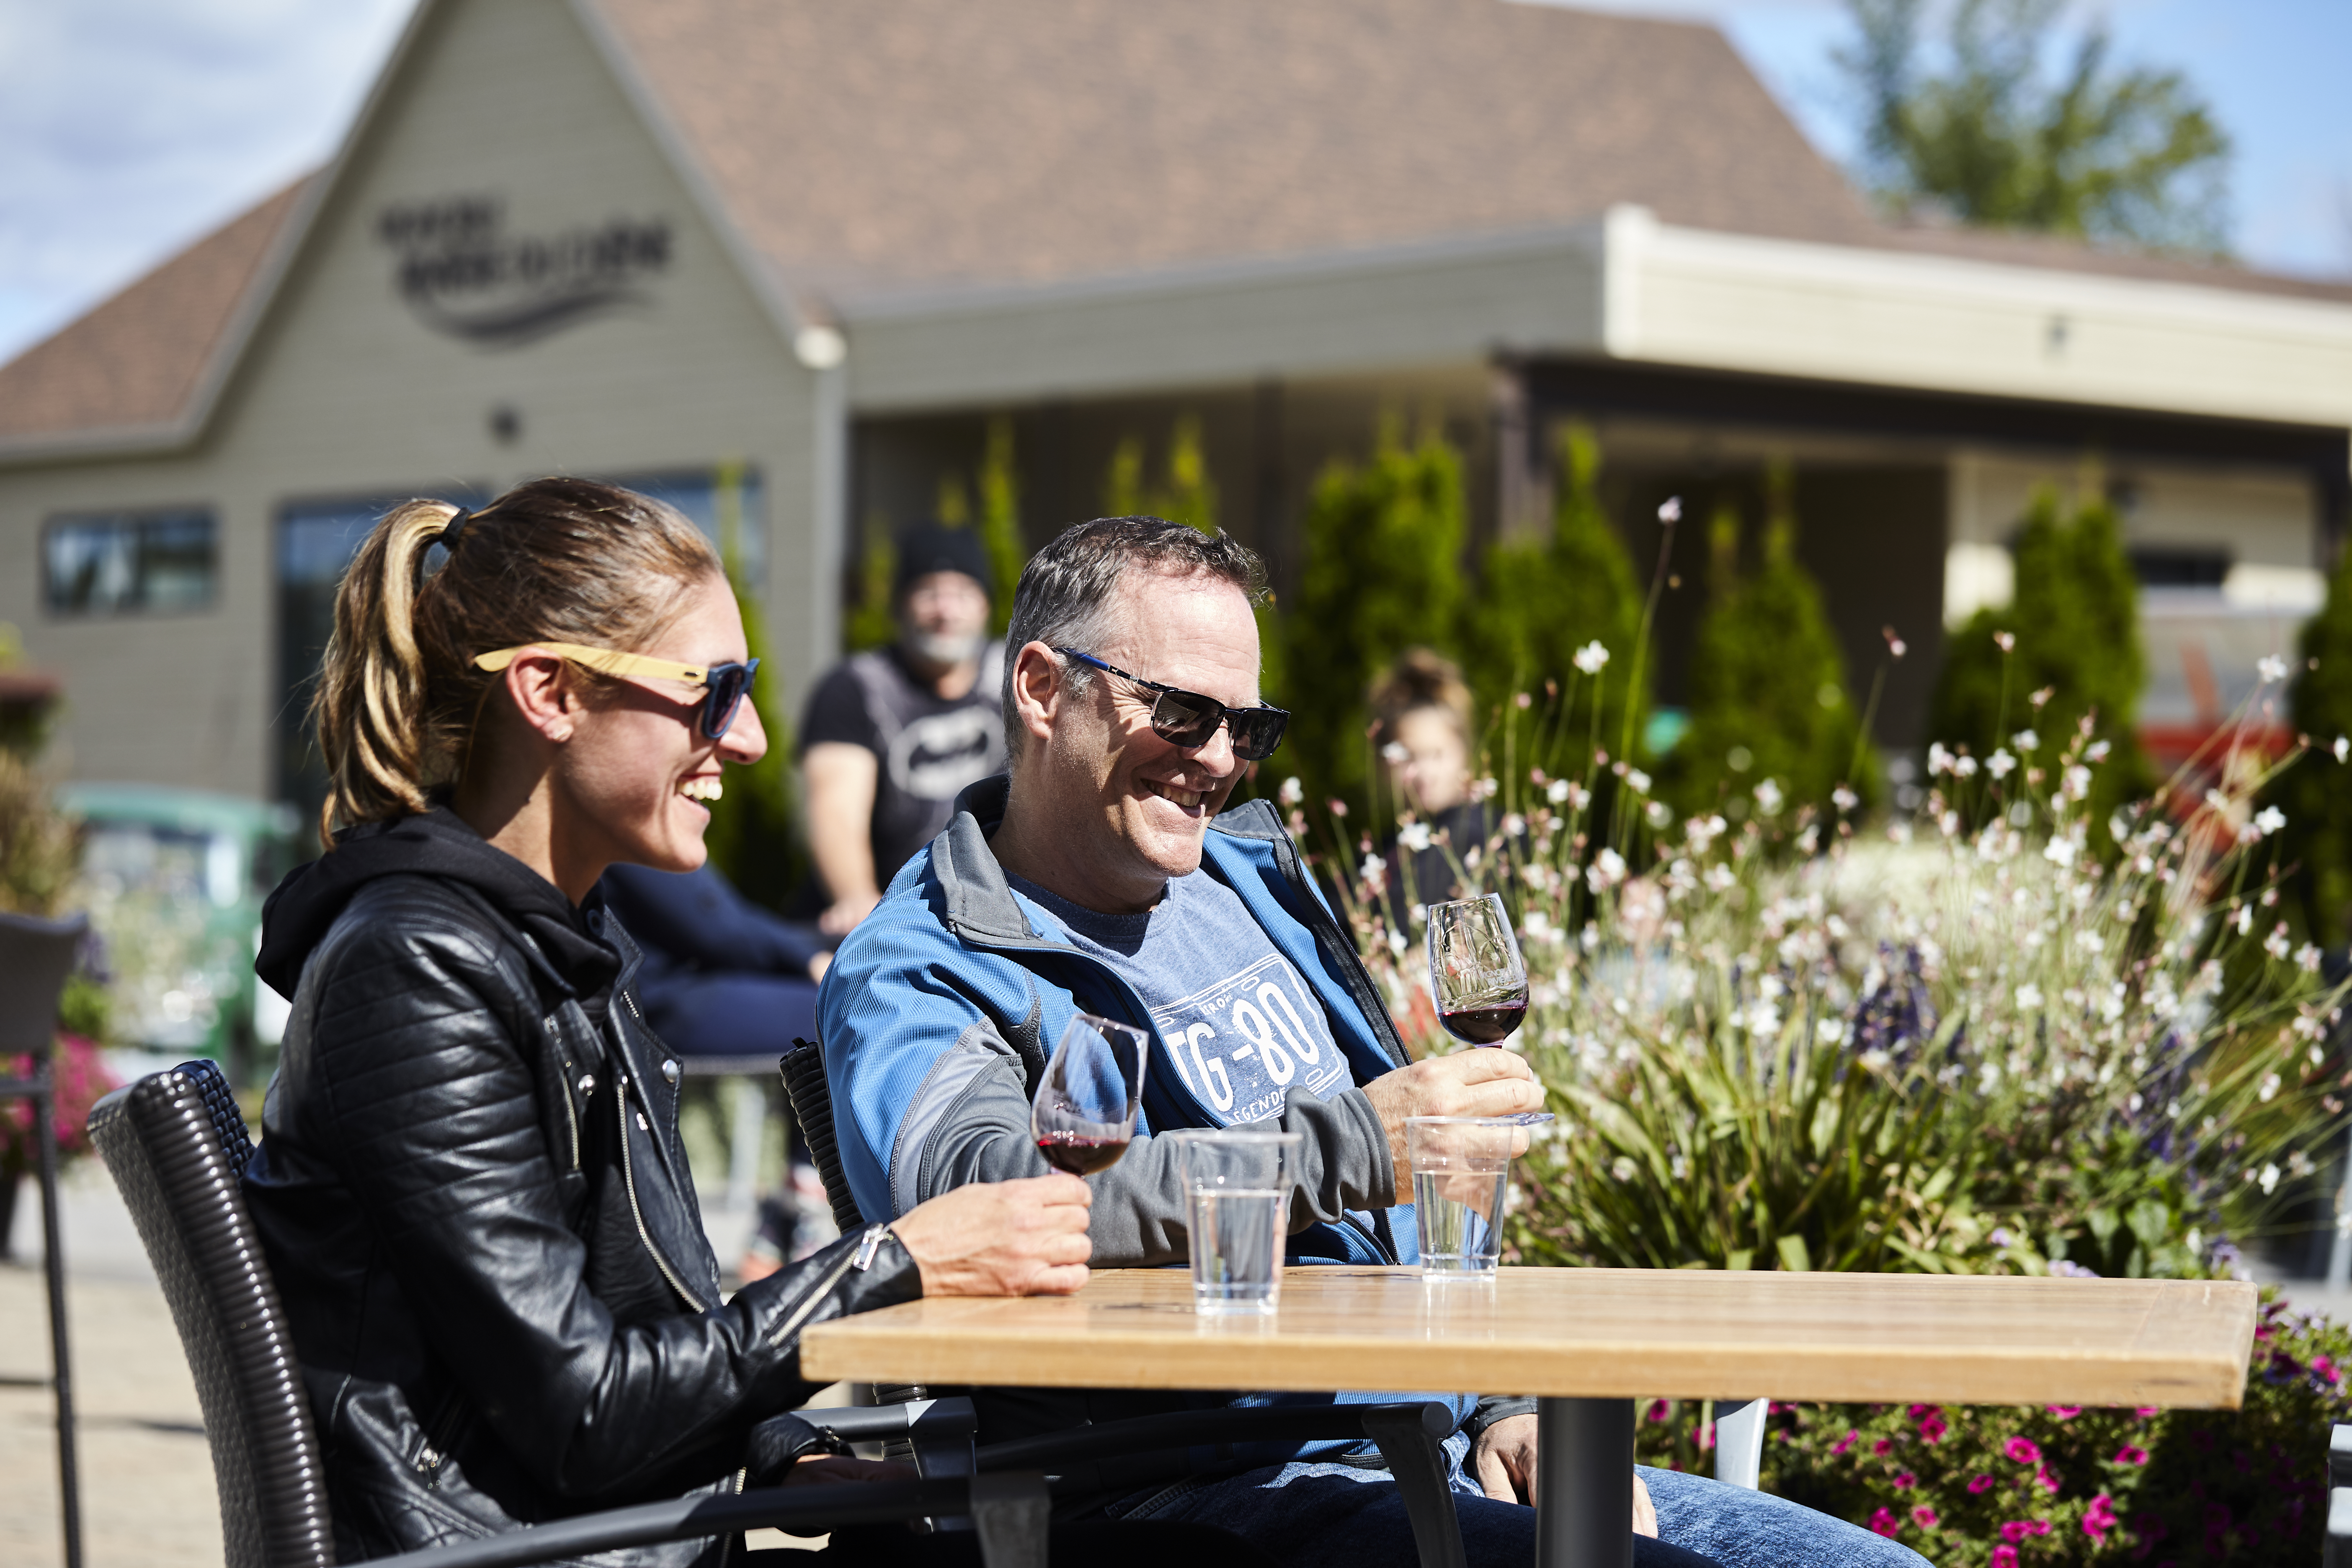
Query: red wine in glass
(1488, 1024)
(1084, 1112)
(1080, 1154)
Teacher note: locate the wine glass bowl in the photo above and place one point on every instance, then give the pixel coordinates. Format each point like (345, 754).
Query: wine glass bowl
(1084, 1112)
(1477, 977)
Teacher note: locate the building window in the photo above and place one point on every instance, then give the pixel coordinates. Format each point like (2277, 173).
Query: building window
(726, 503)
(120, 562)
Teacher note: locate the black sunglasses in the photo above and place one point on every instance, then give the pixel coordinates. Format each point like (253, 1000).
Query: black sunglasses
(1185, 718)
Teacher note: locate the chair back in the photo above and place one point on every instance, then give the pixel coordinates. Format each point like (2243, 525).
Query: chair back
(176, 1145)
(36, 956)
(812, 1102)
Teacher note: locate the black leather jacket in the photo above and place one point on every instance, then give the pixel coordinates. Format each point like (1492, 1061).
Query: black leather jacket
(472, 1195)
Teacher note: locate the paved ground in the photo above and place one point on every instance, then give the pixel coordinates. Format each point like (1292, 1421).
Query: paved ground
(146, 1473)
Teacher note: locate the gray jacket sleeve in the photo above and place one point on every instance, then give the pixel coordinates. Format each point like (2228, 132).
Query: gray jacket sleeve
(1139, 1217)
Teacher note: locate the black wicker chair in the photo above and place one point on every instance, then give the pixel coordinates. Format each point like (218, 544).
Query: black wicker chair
(176, 1145)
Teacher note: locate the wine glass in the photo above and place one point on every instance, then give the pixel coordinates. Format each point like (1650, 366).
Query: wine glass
(1083, 1113)
(1477, 977)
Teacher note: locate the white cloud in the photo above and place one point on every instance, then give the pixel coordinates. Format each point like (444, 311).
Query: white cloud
(130, 126)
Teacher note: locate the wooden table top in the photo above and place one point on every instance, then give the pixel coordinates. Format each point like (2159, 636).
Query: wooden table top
(1597, 1333)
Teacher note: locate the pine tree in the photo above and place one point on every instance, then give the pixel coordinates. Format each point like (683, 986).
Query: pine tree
(1768, 687)
(753, 836)
(2075, 625)
(1382, 573)
(2315, 792)
(1539, 601)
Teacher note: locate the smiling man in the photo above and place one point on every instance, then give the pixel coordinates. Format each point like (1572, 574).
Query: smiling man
(1106, 875)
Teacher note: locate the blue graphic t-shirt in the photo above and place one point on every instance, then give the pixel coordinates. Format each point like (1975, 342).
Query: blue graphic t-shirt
(1235, 1018)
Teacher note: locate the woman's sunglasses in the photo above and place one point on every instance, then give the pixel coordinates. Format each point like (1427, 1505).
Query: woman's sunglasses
(1185, 718)
(723, 684)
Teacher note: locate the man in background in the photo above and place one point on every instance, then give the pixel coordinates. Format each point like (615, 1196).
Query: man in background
(894, 734)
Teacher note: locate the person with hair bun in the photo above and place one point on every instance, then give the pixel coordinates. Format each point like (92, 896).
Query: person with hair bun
(470, 1188)
(1421, 725)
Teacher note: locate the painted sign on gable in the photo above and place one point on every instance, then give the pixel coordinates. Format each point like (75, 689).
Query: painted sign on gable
(462, 273)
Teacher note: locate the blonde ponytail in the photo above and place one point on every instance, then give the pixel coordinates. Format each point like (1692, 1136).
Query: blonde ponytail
(552, 560)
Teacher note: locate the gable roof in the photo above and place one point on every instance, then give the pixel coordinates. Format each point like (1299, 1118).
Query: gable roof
(137, 361)
(861, 149)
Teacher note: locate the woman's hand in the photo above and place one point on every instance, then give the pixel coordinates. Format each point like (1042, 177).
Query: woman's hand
(1001, 1239)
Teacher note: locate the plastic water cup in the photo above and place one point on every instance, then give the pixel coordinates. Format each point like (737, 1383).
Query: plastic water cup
(1237, 1190)
(1461, 1176)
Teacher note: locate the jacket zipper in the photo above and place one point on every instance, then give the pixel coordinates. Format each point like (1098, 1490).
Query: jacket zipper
(629, 1179)
(823, 1289)
(1360, 984)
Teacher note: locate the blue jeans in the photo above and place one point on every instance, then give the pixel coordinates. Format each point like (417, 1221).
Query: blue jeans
(1332, 1515)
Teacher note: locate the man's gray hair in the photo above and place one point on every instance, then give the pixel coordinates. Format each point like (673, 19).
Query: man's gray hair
(1068, 595)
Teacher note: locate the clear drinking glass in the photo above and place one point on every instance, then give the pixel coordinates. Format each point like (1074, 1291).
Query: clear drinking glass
(1476, 977)
(1237, 1187)
(1083, 1113)
(1461, 1180)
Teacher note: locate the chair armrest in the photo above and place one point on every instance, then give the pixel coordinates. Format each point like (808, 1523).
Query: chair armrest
(2336, 1551)
(1188, 1429)
(939, 1430)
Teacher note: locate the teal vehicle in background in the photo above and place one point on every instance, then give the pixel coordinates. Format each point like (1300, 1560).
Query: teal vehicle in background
(174, 880)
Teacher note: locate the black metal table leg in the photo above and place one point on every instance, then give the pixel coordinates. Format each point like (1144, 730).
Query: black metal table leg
(1584, 1468)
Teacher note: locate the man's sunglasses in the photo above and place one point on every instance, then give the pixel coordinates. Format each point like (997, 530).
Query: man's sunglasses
(723, 684)
(1188, 718)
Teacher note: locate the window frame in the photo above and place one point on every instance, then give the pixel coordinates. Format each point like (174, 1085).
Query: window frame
(140, 522)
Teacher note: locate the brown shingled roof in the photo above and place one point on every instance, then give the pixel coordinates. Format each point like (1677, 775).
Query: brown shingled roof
(135, 361)
(930, 141)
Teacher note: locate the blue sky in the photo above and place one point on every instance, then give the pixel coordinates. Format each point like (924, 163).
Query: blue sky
(130, 126)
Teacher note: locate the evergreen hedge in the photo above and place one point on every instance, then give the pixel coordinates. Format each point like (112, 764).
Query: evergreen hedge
(1768, 693)
(754, 837)
(2071, 631)
(2316, 793)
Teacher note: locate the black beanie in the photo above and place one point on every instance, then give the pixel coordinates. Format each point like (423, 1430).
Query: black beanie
(932, 547)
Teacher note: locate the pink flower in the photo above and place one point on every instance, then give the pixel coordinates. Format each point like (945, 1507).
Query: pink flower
(1933, 1428)
(2024, 1451)
(2127, 1454)
(2049, 1479)
(2004, 1557)
(1885, 1522)
(2100, 1518)
(2014, 1531)
(2325, 1369)
(1658, 1409)
(1905, 1480)
(1924, 1517)
(1980, 1484)
(1848, 1441)
(1705, 1436)
(2145, 1411)
(1884, 1446)
(2064, 1412)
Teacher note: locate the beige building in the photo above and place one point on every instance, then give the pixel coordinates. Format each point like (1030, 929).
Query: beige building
(782, 261)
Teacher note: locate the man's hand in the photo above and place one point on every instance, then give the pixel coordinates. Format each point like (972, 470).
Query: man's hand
(1504, 1462)
(1467, 1083)
(1001, 1239)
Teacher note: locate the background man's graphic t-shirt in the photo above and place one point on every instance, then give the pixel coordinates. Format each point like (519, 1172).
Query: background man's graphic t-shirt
(927, 747)
(1238, 1022)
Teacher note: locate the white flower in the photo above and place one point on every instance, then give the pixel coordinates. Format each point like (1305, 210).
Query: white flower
(2270, 1177)
(2268, 820)
(1590, 658)
(1623, 1169)
(1949, 823)
(1414, 835)
(1557, 790)
(1964, 766)
(1535, 922)
(1395, 755)
(1701, 831)
(1831, 1031)
(1938, 760)
(1397, 943)
(2025, 740)
(1720, 878)
(2343, 747)
(2272, 667)
(1767, 796)
(2089, 940)
(2244, 919)
(2028, 998)
(1514, 825)
(1671, 510)
(2306, 958)
(2098, 751)
(1608, 870)
(2078, 782)
(1844, 798)
(2000, 765)
(1374, 871)
(1639, 779)
(2059, 852)
(1292, 792)
(2276, 944)
(1660, 814)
